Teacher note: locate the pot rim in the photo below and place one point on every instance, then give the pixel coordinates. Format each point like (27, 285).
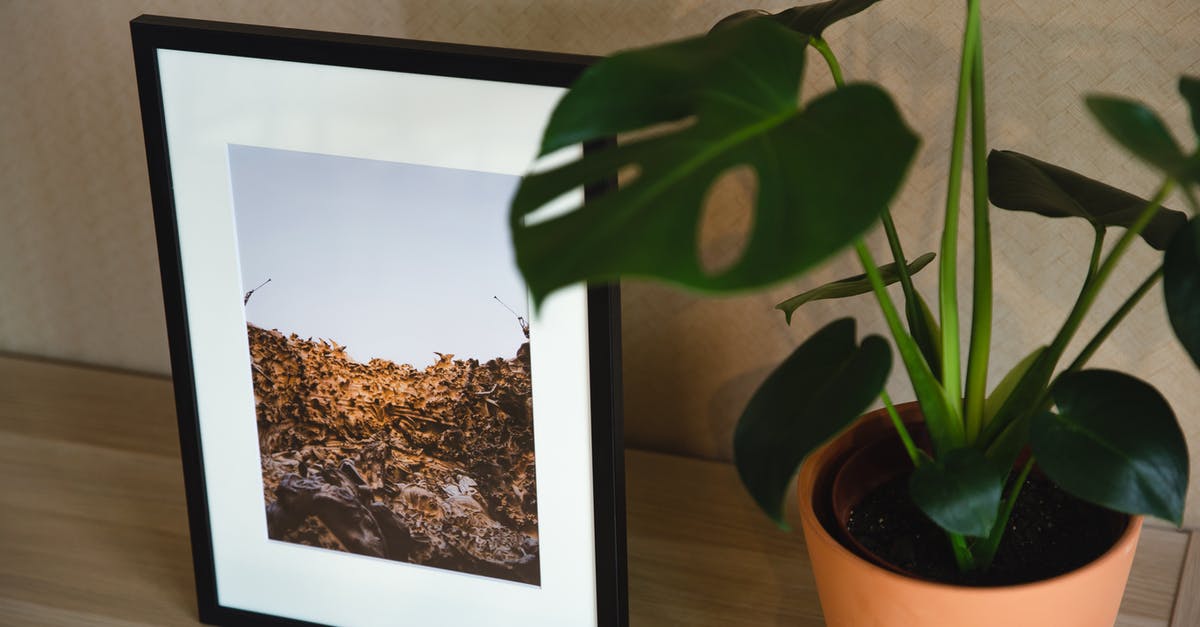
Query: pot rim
(815, 531)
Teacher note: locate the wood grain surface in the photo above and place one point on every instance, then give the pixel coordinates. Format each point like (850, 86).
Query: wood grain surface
(93, 528)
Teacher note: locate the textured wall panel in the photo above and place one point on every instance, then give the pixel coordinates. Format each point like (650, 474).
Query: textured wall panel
(78, 274)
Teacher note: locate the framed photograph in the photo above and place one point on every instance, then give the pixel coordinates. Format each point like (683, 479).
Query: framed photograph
(376, 426)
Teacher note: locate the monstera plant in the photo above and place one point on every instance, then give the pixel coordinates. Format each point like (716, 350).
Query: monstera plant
(827, 166)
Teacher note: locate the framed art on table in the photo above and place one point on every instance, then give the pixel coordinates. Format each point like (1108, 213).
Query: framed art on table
(376, 427)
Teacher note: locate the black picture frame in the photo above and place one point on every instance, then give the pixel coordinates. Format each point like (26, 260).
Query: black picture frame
(153, 34)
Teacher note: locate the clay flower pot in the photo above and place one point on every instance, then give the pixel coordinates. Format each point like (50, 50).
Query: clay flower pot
(855, 592)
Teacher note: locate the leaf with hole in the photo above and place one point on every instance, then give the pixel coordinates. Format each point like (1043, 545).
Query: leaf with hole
(1115, 442)
(825, 384)
(1181, 287)
(1140, 130)
(810, 19)
(850, 286)
(960, 491)
(1019, 182)
(825, 172)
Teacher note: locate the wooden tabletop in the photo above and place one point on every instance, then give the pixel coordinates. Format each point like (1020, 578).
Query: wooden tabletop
(93, 529)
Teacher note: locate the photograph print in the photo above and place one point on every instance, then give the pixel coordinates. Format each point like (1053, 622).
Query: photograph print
(390, 359)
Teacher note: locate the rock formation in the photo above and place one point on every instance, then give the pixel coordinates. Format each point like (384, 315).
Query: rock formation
(433, 466)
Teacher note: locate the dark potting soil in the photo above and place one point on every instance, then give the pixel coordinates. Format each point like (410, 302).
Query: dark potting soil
(1050, 533)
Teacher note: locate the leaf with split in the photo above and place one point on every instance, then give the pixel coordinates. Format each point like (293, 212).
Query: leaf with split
(825, 172)
(1181, 287)
(825, 384)
(1114, 442)
(810, 19)
(1019, 182)
(960, 491)
(1140, 130)
(850, 286)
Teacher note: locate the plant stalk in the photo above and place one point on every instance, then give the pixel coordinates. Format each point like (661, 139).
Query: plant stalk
(947, 268)
(981, 305)
(889, 226)
(893, 238)
(962, 552)
(1097, 249)
(944, 430)
(1034, 382)
(913, 452)
(1092, 286)
(986, 550)
(835, 68)
(1115, 320)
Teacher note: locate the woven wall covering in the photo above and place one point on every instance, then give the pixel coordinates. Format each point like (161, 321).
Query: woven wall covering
(78, 273)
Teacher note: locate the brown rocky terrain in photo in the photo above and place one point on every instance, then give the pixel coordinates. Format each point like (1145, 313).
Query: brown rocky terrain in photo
(431, 467)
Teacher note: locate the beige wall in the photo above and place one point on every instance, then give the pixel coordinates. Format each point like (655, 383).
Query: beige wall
(78, 274)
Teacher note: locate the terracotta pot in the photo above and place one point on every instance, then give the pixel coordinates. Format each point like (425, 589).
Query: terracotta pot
(857, 593)
(862, 471)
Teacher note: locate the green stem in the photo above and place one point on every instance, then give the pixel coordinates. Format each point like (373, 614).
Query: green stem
(1039, 373)
(1097, 248)
(1034, 384)
(981, 307)
(962, 552)
(986, 551)
(1115, 320)
(889, 226)
(835, 68)
(1093, 285)
(944, 430)
(913, 452)
(893, 238)
(947, 268)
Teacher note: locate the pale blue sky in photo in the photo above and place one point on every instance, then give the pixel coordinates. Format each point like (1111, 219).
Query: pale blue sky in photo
(391, 260)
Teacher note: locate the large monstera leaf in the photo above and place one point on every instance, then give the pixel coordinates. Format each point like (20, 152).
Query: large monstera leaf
(815, 393)
(825, 171)
(1021, 183)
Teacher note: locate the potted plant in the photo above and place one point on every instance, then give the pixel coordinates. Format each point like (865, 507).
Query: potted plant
(827, 167)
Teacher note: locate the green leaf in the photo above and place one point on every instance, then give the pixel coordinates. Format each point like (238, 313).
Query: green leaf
(1114, 442)
(810, 19)
(825, 173)
(851, 286)
(1140, 131)
(960, 491)
(1181, 287)
(1005, 388)
(825, 384)
(1021, 183)
(1189, 87)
